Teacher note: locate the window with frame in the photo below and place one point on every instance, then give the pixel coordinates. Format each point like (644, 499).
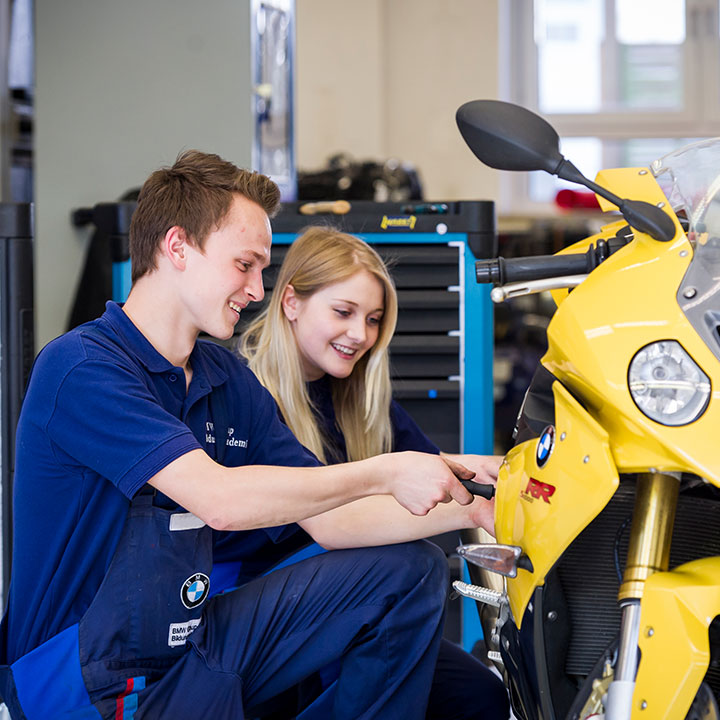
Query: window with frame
(622, 81)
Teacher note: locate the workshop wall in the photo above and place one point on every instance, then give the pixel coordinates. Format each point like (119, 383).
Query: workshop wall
(122, 87)
(383, 78)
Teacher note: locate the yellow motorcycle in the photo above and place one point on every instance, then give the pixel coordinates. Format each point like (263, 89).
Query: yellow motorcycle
(608, 506)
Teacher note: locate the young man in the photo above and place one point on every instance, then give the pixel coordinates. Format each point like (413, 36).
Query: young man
(143, 454)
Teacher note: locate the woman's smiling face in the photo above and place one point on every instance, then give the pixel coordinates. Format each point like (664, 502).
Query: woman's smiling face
(337, 325)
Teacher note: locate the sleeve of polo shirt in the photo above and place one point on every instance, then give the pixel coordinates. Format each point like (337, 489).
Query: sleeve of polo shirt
(407, 435)
(271, 443)
(105, 418)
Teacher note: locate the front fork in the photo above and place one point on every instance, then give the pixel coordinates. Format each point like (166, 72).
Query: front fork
(648, 552)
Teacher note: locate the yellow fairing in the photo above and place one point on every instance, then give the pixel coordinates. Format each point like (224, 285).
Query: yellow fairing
(543, 522)
(606, 233)
(626, 303)
(625, 182)
(631, 183)
(677, 609)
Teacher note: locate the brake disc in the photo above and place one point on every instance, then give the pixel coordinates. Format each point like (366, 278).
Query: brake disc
(704, 706)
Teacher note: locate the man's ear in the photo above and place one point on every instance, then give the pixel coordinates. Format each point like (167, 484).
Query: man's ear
(290, 303)
(175, 245)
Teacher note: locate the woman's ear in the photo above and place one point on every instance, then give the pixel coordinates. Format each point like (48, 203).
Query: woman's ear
(290, 303)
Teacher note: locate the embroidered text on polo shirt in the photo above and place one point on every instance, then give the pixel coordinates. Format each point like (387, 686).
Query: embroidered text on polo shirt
(230, 441)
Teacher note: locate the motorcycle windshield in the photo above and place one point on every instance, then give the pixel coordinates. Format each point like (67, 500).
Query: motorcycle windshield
(690, 179)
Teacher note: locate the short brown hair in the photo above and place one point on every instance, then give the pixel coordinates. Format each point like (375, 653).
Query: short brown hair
(195, 194)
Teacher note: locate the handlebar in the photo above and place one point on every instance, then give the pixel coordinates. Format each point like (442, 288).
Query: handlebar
(501, 270)
(507, 270)
(481, 489)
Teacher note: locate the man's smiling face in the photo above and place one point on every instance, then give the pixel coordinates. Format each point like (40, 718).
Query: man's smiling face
(226, 274)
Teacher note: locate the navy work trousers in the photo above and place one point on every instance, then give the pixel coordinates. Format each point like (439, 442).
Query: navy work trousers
(380, 610)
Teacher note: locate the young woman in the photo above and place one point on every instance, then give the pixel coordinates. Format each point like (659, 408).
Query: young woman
(321, 349)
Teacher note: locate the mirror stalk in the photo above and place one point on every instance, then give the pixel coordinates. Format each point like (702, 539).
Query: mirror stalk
(509, 137)
(643, 216)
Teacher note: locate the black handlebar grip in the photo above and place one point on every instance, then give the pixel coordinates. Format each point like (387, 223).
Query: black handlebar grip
(487, 271)
(481, 489)
(507, 270)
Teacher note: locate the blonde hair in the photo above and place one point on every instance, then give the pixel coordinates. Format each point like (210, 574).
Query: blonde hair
(320, 257)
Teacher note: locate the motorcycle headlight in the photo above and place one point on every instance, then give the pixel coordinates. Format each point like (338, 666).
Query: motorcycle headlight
(667, 384)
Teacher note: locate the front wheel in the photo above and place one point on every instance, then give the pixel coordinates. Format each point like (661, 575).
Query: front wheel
(704, 706)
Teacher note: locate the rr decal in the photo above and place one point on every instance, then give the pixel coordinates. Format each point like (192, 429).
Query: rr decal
(537, 490)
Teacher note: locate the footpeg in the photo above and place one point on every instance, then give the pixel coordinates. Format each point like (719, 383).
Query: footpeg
(481, 594)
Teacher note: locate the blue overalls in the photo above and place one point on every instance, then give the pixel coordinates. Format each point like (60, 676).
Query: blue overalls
(380, 608)
(152, 645)
(135, 628)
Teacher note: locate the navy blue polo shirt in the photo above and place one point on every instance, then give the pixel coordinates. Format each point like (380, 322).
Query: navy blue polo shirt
(406, 435)
(103, 413)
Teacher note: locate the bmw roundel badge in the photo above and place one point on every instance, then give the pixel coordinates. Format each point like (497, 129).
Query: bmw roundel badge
(194, 590)
(545, 446)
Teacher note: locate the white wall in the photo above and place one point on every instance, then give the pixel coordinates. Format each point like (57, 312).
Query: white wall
(384, 78)
(340, 97)
(121, 88)
(447, 56)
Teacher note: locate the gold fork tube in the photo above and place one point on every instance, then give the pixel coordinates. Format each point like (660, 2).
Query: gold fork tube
(651, 532)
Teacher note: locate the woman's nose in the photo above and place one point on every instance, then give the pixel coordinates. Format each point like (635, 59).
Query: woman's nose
(357, 332)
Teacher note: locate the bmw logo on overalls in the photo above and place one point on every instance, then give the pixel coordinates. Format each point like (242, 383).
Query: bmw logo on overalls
(545, 445)
(194, 590)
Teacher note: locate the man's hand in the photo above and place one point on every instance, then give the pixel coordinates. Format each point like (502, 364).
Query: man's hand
(419, 481)
(485, 467)
(422, 484)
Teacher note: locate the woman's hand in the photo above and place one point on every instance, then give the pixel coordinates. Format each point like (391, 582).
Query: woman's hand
(481, 514)
(486, 467)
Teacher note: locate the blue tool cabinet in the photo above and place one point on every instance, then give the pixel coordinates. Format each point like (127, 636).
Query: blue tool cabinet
(442, 353)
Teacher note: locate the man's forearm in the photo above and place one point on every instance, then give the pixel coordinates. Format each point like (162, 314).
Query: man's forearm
(245, 498)
(256, 496)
